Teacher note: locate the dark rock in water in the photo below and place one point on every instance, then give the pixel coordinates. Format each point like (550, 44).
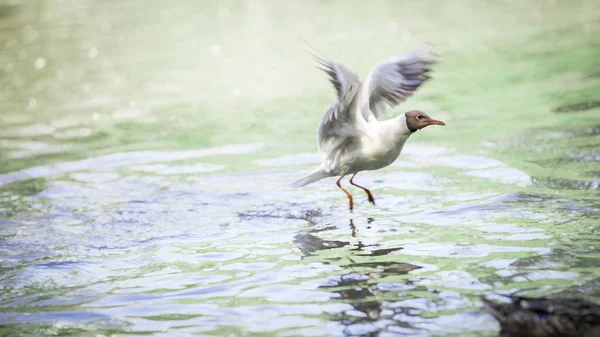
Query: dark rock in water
(545, 317)
(579, 106)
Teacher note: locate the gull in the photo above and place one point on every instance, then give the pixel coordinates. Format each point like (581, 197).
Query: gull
(353, 136)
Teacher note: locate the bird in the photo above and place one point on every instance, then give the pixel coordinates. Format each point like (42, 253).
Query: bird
(545, 317)
(353, 136)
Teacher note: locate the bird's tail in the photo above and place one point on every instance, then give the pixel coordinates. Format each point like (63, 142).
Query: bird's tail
(316, 175)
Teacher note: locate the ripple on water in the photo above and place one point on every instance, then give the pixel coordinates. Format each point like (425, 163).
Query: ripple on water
(179, 169)
(124, 159)
(95, 177)
(519, 237)
(442, 249)
(569, 184)
(578, 106)
(288, 160)
(507, 228)
(506, 175)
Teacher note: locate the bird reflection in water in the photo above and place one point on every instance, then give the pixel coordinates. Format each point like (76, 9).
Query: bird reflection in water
(370, 299)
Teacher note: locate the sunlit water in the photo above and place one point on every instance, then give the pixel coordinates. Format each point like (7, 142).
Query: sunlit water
(147, 147)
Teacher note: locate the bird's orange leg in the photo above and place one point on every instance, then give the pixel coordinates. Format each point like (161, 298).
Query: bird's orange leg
(371, 199)
(345, 191)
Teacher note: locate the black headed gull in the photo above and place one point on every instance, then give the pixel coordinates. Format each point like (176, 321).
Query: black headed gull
(351, 136)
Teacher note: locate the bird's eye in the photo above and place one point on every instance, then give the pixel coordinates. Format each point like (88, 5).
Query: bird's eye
(419, 117)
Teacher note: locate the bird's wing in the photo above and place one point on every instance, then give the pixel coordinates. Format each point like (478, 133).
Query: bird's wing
(391, 82)
(342, 121)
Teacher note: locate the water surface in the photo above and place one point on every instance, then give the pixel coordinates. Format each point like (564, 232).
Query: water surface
(146, 148)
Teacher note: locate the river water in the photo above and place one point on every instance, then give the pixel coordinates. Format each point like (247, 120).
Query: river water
(146, 149)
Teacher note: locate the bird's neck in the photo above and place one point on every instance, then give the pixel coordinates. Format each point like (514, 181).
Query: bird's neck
(402, 125)
(394, 130)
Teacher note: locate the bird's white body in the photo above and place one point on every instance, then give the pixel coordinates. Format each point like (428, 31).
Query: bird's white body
(379, 147)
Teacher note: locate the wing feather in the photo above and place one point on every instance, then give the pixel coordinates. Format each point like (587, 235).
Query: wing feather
(342, 121)
(391, 82)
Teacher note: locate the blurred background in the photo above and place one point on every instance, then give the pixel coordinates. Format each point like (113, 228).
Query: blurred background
(146, 147)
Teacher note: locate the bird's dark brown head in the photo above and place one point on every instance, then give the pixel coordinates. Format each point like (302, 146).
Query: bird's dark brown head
(416, 120)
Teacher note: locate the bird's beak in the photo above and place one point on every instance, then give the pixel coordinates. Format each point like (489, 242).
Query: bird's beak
(435, 122)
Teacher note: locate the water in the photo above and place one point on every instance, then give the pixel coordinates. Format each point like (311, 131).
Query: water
(146, 149)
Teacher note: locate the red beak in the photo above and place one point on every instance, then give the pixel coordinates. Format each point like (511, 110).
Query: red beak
(435, 122)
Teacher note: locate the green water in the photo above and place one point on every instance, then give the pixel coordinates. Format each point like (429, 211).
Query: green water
(146, 148)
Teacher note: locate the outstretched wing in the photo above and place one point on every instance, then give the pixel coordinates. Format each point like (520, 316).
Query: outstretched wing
(342, 120)
(391, 82)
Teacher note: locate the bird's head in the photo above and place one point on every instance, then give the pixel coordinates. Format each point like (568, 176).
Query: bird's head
(416, 120)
